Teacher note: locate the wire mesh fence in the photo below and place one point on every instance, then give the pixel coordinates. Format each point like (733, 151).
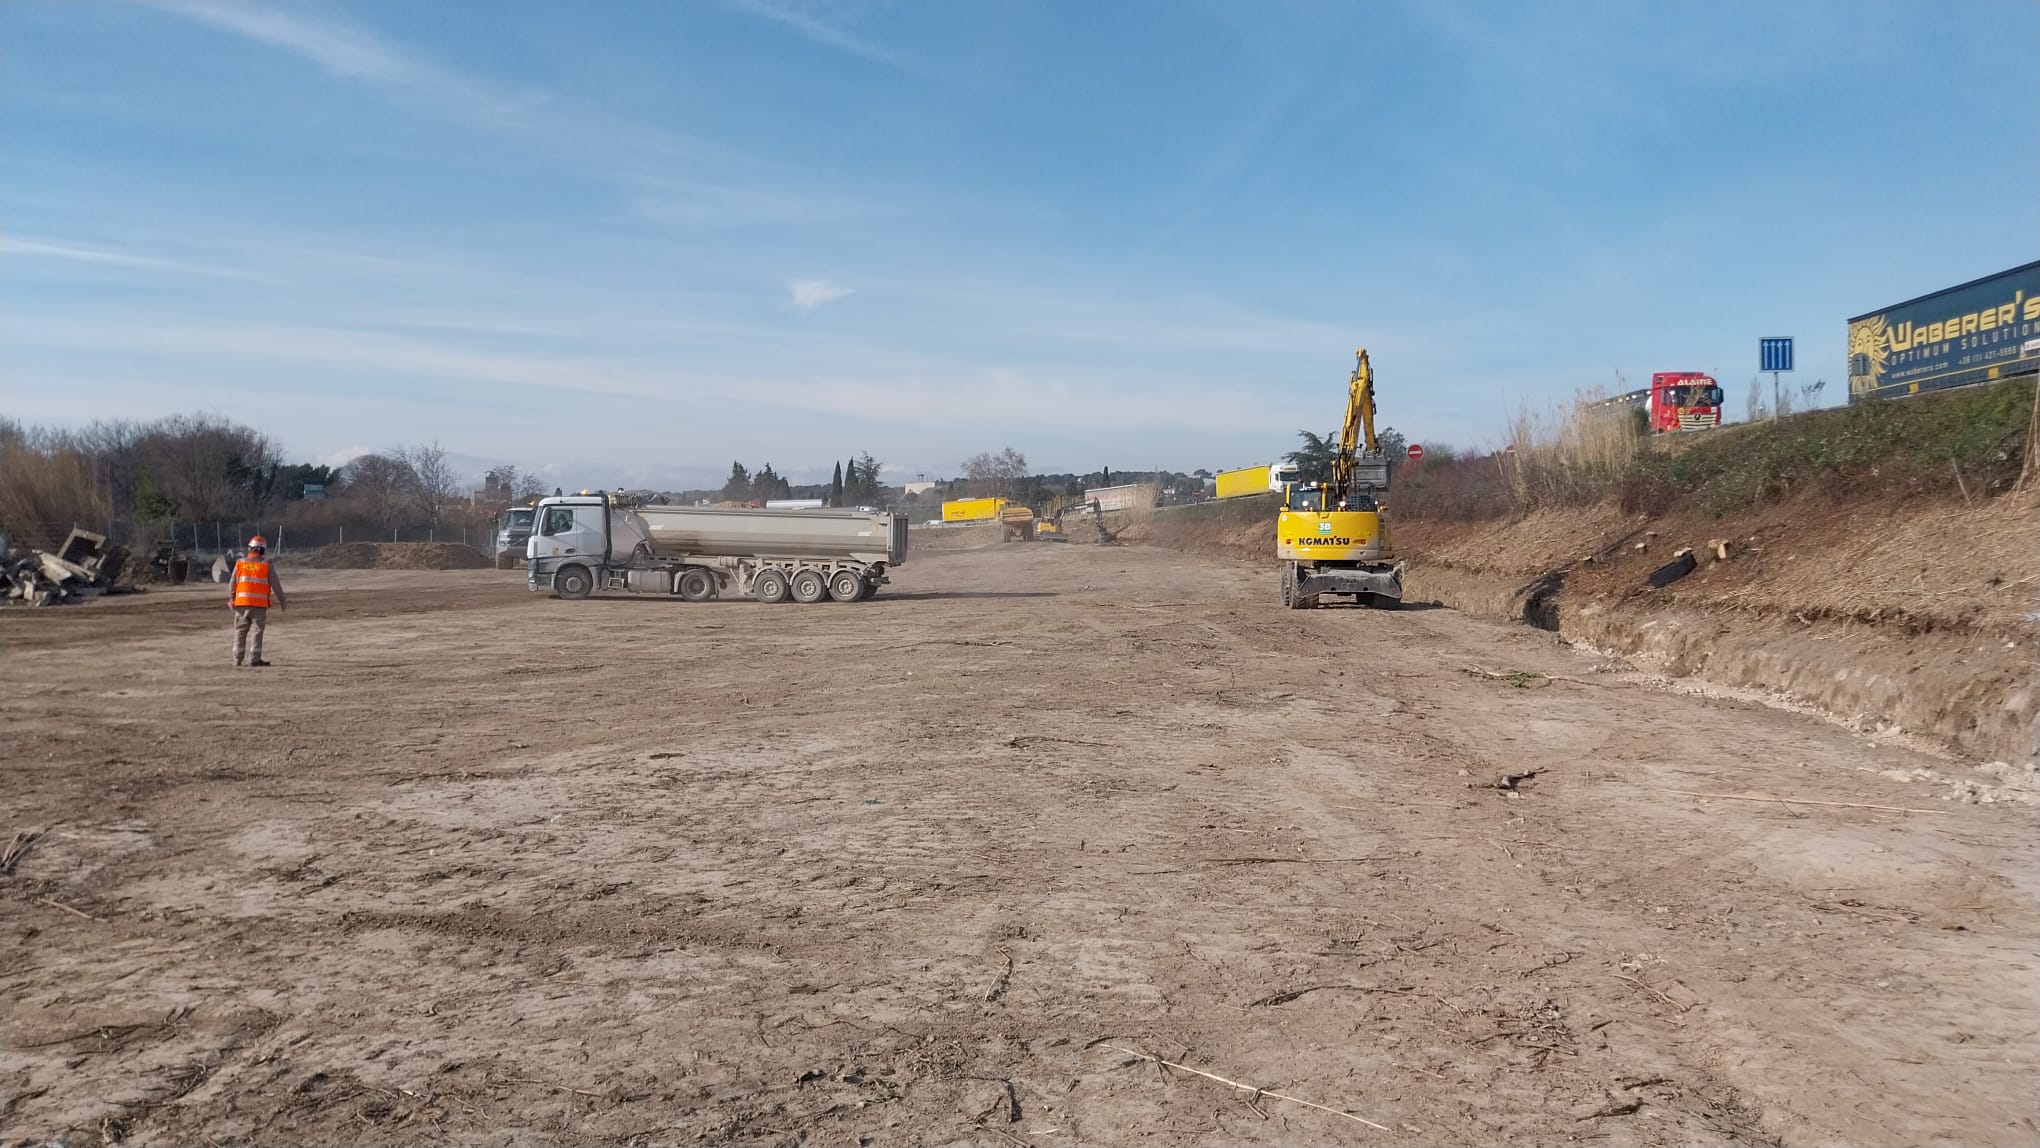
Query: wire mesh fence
(208, 539)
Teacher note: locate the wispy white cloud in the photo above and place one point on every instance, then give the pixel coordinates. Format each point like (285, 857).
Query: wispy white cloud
(664, 172)
(809, 294)
(829, 35)
(350, 52)
(82, 253)
(341, 349)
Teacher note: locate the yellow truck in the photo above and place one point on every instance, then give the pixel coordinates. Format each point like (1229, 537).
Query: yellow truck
(1242, 482)
(972, 509)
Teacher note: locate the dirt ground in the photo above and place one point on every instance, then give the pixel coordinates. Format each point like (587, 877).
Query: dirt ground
(474, 866)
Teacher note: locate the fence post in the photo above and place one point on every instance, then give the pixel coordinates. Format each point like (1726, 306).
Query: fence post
(216, 538)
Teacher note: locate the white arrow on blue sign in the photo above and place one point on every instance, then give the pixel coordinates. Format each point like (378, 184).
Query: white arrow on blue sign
(1774, 354)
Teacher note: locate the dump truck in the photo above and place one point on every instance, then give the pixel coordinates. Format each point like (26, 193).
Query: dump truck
(1019, 522)
(972, 509)
(511, 532)
(588, 542)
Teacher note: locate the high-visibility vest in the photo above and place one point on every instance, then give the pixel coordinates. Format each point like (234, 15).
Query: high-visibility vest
(251, 583)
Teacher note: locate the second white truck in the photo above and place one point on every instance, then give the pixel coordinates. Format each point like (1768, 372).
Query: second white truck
(588, 542)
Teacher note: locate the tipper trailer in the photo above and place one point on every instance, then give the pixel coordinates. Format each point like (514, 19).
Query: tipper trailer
(588, 542)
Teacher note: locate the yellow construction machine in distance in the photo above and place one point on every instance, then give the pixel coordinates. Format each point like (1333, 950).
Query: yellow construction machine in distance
(1019, 522)
(1332, 537)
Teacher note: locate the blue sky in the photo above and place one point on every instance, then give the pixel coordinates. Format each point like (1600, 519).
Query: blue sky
(637, 240)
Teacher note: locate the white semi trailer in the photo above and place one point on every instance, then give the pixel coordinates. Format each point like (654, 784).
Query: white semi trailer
(587, 542)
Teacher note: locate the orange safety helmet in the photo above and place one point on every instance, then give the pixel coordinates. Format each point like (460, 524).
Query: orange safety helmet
(258, 543)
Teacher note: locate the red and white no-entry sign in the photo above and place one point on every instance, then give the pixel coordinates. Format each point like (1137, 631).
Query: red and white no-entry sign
(1416, 453)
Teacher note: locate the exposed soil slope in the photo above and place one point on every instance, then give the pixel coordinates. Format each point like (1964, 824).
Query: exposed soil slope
(1918, 617)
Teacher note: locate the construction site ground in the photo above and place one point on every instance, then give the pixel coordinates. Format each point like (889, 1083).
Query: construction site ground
(471, 865)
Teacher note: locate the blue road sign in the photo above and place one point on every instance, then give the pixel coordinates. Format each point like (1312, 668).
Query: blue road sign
(1774, 354)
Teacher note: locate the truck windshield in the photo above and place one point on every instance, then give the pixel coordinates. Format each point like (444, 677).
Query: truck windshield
(520, 519)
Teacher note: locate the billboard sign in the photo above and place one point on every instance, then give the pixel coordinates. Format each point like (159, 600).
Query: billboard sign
(1978, 332)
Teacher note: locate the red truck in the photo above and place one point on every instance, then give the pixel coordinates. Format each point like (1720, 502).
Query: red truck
(1682, 401)
(1678, 401)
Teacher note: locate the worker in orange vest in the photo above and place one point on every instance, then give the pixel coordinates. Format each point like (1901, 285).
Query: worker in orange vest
(256, 588)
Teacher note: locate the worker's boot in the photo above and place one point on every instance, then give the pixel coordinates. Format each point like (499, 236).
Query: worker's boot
(257, 662)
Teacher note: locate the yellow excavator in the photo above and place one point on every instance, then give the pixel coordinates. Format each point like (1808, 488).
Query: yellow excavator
(1332, 536)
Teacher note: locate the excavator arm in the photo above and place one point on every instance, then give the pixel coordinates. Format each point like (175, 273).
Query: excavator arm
(1357, 433)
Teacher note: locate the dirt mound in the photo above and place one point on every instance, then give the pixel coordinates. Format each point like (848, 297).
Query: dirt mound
(396, 556)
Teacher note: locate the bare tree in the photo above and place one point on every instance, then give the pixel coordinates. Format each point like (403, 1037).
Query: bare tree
(385, 488)
(1758, 408)
(208, 467)
(997, 473)
(436, 483)
(115, 448)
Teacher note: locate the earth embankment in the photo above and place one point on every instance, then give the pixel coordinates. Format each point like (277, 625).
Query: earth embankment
(1915, 619)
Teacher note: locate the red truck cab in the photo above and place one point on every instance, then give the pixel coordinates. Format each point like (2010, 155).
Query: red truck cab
(1683, 401)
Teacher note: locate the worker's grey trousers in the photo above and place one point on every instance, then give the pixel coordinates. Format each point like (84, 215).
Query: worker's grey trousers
(248, 618)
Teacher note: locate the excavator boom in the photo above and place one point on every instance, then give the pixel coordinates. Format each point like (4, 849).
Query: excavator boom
(1357, 432)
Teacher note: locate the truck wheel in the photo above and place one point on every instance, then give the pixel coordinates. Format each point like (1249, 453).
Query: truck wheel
(695, 585)
(846, 586)
(808, 586)
(1289, 599)
(869, 587)
(574, 583)
(769, 586)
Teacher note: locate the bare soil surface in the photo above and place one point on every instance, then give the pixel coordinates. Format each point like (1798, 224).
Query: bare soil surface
(474, 866)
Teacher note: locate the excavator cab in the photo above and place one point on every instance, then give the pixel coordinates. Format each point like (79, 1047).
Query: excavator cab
(1304, 496)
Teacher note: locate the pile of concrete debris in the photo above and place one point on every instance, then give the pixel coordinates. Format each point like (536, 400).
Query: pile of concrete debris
(85, 566)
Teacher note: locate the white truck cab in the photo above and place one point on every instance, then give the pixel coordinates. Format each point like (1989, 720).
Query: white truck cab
(581, 525)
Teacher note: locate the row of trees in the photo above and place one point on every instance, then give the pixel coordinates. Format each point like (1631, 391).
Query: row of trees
(745, 486)
(203, 468)
(855, 483)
